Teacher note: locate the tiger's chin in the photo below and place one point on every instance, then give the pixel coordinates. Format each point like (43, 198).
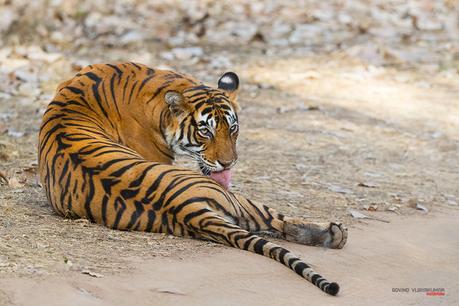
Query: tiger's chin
(223, 177)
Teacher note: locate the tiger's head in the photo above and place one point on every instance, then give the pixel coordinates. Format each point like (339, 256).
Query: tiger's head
(205, 123)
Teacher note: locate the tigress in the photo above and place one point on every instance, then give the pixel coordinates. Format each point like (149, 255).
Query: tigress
(106, 149)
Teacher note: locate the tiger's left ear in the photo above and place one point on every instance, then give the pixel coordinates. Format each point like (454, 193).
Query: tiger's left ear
(229, 83)
(175, 101)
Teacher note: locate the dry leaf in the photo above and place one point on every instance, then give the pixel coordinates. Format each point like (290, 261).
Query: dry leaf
(3, 178)
(372, 207)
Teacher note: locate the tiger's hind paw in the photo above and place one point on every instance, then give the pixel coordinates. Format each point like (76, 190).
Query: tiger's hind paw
(337, 236)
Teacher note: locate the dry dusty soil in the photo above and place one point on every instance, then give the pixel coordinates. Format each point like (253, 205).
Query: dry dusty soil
(321, 137)
(412, 253)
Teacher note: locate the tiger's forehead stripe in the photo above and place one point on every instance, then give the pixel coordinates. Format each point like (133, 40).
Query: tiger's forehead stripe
(213, 119)
(203, 93)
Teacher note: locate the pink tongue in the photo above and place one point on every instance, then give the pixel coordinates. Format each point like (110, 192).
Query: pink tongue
(222, 177)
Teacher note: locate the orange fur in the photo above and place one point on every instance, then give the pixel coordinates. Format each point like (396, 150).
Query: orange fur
(106, 147)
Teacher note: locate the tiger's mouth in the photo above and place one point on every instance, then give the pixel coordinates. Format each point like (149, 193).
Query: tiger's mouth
(221, 177)
(204, 169)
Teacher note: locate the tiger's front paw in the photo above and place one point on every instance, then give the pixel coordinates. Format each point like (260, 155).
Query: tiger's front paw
(337, 236)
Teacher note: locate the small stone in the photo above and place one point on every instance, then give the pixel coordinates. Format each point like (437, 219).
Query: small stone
(168, 56)
(426, 24)
(131, 37)
(28, 90)
(14, 182)
(339, 189)
(16, 134)
(26, 75)
(3, 128)
(7, 16)
(220, 62)
(344, 19)
(187, 53)
(421, 207)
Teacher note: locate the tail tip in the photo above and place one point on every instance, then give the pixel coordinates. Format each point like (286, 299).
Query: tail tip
(333, 289)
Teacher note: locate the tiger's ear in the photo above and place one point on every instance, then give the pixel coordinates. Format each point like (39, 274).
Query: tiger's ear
(176, 101)
(229, 83)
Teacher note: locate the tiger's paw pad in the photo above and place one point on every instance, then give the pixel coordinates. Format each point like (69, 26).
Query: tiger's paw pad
(337, 236)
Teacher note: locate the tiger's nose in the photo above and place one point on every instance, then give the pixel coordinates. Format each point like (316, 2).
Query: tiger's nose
(225, 163)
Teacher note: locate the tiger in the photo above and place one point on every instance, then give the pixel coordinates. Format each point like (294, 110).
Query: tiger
(106, 151)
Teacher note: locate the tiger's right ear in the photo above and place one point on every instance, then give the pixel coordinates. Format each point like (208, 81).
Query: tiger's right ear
(229, 83)
(175, 100)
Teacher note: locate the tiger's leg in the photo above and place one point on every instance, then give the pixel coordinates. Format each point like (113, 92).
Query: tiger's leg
(211, 226)
(260, 218)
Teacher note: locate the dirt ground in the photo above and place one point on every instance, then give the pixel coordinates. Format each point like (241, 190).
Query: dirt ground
(364, 123)
(378, 260)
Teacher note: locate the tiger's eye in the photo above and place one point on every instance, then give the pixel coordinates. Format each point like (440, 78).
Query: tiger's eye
(206, 132)
(234, 128)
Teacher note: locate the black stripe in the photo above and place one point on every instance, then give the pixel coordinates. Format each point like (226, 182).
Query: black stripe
(258, 246)
(272, 250)
(136, 214)
(89, 198)
(195, 214)
(158, 91)
(75, 90)
(145, 82)
(291, 261)
(154, 186)
(104, 209)
(135, 65)
(282, 254)
(108, 183)
(139, 180)
(119, 214)
(132, 91)
(248, 242)
(124, 88)
(151, 219)
(112, 91)
(129, 193)
(122, 170)
(118, 70)
(314, 278)
(299, 268)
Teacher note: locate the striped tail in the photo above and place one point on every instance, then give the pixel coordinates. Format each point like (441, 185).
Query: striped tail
(263, 247)
(213, 227)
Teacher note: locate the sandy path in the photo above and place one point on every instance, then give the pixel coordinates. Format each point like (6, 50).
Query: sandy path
(413, 252)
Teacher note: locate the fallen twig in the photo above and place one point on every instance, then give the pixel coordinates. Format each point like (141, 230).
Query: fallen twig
(358, 215)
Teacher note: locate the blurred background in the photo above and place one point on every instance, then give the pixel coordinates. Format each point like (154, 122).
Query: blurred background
(217, 33)
(346, 105)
